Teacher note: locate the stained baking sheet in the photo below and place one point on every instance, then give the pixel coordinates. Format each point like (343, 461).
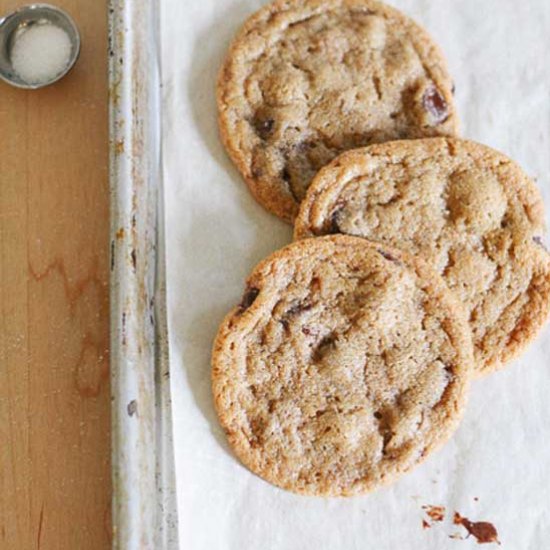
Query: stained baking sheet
(496, 468)
(144, 504)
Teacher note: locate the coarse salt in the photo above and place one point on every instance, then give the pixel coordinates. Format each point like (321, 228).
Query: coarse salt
(40, 53)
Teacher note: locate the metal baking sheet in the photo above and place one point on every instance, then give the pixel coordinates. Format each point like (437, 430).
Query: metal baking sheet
(144, 509)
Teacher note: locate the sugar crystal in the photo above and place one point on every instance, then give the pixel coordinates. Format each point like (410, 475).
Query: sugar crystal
(40, 53)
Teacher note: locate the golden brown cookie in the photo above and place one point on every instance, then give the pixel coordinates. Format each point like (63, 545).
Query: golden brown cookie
(305, 80)
(344, 366)
(464, 208)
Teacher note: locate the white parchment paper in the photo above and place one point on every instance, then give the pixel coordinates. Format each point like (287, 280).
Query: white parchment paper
(498, 51)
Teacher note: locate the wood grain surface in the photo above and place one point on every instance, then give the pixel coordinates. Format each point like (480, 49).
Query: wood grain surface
(54, 369)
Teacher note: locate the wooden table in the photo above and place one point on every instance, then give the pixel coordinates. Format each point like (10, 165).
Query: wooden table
(54, 297)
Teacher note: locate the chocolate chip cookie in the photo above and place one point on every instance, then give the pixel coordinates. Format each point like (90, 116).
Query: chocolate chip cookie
(305, 80)
(466, 209)
(344, 365)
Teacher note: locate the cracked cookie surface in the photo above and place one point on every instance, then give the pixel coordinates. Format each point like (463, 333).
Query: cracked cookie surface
(305, 80)
(343, 366)
(466, 209)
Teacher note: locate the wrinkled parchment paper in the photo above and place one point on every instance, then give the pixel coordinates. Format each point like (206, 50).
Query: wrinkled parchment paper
(498, 51)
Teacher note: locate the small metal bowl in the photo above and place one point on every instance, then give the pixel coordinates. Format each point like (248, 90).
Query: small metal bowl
(16, 23)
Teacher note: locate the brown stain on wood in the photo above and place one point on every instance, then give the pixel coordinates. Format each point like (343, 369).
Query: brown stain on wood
(73, 289)
(40, 523)
(92, 368)
(54, 303)
(107, 524)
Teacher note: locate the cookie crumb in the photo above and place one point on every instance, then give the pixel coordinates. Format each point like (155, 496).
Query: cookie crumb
(435, 513)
